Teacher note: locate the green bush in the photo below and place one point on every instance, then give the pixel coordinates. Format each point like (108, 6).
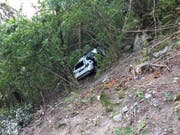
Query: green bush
(126, 131)
(12, 119)
(166, 11)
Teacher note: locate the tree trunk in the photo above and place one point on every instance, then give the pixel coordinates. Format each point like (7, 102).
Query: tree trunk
(80, 35)
(114, 46)
(57, 11)
(62, 38)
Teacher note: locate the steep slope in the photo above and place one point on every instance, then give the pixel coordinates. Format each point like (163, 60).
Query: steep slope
(147, 105)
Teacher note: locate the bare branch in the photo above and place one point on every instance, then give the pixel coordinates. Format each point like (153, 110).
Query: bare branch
(127, 15)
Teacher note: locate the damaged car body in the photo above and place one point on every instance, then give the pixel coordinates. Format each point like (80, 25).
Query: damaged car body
(86, 65)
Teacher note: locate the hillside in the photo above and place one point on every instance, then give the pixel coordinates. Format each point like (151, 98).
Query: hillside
(147, 105)
(131, 47)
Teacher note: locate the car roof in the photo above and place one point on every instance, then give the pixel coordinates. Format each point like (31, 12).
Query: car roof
(81, 59)
(94, 51)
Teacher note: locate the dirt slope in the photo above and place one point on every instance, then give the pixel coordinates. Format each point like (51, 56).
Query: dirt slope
(142, 106)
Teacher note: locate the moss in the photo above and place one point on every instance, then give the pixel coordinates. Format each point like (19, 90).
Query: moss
(177, 97)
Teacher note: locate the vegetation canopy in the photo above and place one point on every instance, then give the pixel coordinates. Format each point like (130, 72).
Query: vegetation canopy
(37, 54)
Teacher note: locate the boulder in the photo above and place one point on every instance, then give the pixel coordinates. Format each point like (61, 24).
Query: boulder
(117, 117)
(140, 41)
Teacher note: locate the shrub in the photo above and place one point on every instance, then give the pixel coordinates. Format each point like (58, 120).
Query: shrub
(11, 120)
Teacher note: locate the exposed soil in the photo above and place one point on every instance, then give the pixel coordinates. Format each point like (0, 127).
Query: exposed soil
(148, 101)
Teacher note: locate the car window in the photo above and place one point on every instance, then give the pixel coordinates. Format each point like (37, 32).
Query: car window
(89, 56)
(78, 65)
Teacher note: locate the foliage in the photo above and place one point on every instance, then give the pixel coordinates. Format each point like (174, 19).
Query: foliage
(37, 54)
(12, 119)
(126, 131)
(163, 11)
(121, 94)
(72, 98)
(140, 94)
(105, 100)
(177, 111)
(104, 61)
(6, 12)
(166, 10)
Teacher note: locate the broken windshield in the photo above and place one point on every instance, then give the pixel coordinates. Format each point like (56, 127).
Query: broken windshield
(79, 64)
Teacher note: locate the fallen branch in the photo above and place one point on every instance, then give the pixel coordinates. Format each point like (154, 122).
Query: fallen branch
(139, 69)
(154, 18)
(44, 103)
(167, 38)
(54, 73)
(151, 29)
(157, 60)
(127, 15)
(159, 65)
(144, 67)
(178, 8)
(173, 56)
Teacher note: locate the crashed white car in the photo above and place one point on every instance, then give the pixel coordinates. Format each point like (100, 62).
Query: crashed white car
(86, 65)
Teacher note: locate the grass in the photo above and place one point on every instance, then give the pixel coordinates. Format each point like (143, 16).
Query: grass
(126, 131)
(105, 100)
(140, 94)
(143, 127)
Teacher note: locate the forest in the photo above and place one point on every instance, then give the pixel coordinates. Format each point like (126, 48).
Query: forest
(37, 54)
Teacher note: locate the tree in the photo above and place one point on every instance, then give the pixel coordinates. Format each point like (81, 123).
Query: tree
(37, 54)
(6, 12)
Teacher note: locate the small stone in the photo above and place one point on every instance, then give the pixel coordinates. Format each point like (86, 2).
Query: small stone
(125, 109)
(105, 80)
(128, 47)
(148, 95)
(155, 103)
(136, 104)
(98, 98)
(117, 117)
(111, 115)
(117, 102)
(50, 121)
(161, 52)
(176, 80)
(150, 91)
(130, 95)
(168, 130)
